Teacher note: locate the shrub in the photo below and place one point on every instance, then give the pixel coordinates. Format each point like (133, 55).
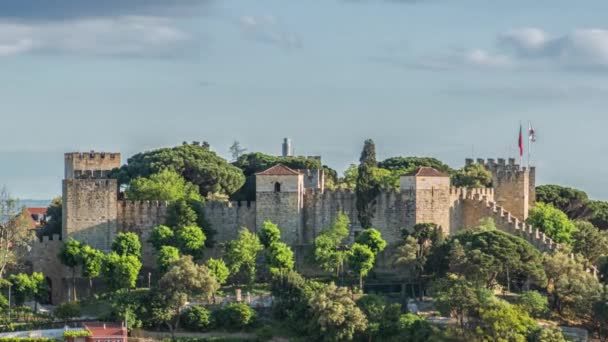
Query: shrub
(196, 318)
(534, 303)
(234, 316)
(67, 311)
(264, 333)
(414, 328)
(76, 333)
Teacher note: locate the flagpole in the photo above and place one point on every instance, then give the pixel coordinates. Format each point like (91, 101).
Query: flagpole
(521, 137)
(529, 143)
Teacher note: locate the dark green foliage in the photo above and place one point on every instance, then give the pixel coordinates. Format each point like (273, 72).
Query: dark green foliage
(280, 257)
(241, 255)
(472, 176)
(127, 244)
(534, 303)
(552, 222)
(367, 189)
(26, 287)
(252, 163)
(572, 202)
(195, 162)
(414, 328)
(291, 293)
(67, 311)
(360, 260)
(234, 316)
(54, 213)
(383, 319)
(599, 214)
(489, 257)
(180, 214)
(167, 185)
(407, 164)
(190, 240)
(196, 318)
(589, 241)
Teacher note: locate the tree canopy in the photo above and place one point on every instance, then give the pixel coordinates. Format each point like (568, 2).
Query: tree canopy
(552, 222)
(167, 185)
(196, 163)
(367, 189)
(407, 164)
(572, 202)
(472, 176)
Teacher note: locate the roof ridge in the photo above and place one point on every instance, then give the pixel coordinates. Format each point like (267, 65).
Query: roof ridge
(279, 170)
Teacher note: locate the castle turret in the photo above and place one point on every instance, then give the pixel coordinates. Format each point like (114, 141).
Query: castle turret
(287, 148)
(90, 198)
(280, 199)
(430, 191)
(514, 186)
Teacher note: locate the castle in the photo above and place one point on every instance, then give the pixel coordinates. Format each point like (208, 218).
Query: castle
(293, 199)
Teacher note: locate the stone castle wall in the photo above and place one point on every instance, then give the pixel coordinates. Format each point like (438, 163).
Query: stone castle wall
(91, 165)
(141, 217)
(227, 218)
(90, 211)
(43, 257)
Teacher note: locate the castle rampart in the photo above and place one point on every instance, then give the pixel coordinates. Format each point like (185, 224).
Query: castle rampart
(90, 165)
(227, 218)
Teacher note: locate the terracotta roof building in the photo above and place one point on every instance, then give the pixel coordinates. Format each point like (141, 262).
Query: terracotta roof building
(279, 170)
(425, 171)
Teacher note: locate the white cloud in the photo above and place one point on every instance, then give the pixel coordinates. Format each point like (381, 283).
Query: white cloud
(267, 29)
(487, 59)
(124, 35)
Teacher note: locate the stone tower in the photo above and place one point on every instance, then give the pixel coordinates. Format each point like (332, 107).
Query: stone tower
(430, 191)
(287, 148)
(280, 199)
(90, 198)
(514, 186)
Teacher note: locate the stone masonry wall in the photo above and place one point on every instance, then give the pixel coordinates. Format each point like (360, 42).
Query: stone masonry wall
(90, 211)
(43, 258)
(98, 163)
(141, 217)
(228, 218)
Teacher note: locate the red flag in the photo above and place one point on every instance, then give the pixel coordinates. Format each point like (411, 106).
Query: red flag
(521, 143)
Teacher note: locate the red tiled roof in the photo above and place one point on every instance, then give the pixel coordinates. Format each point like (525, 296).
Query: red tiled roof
(34, 211)
(99, 329)
(279, 170)
(425, 171)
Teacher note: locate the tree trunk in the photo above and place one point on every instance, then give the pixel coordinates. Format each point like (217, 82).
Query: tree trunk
(90, 286)
(74, 284)
(361, 283)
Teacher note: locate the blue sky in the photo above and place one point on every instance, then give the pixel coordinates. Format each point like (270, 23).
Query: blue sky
(442, 78)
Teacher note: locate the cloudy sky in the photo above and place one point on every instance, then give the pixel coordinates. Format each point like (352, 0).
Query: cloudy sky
(443, 78)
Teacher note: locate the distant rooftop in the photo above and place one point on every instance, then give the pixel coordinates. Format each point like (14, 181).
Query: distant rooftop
(426, 171)
(279, 170)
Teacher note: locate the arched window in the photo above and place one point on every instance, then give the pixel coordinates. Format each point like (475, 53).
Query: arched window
(277, 187)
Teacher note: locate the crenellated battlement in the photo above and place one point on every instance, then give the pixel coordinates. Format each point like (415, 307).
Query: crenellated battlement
(243, 205)
(498, 165)
(92, 156)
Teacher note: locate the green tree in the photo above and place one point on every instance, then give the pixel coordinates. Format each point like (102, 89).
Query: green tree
(573, 202)
(415, 328)
(241, 254)
(190, 240)
(600, 315)
(599, 214)
(552, 222)
(165, 257)
(404, 165)
(92, 262)
(383, 319)
(162, 236)
(182, 280)
(534, 303)
(361, 260)
(371, 238)
(327, 246)
(589, 241)
(196, 318)
(127, 244)
(472, 176)
(367, 189)
(166, 185)
(120, 271)
(572, 290)
(70, 256)
(196, 163)
(181, 214)
(269, 234)
(236, 150)
(501, 321)
(349, 180)
(67, 311)
(490, 257)
(551, 334)
(54, 213)
(27, 287)
(218, 270)
(335, 314)
(235, 316)
(280, 257)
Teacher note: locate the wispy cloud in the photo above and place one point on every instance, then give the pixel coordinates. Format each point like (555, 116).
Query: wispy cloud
(268, 30)
(114, 36)
(534, 48)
